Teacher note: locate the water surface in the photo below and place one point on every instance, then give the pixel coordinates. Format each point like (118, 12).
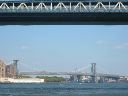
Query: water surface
(64, 89)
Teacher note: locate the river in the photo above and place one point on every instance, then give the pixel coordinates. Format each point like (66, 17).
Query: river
(65, 89)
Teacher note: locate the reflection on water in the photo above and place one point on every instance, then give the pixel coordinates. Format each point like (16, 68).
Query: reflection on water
(64, 89)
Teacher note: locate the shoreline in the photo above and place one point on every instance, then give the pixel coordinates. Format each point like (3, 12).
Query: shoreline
(23, 80)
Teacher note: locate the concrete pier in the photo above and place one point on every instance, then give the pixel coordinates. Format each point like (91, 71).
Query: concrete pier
(25, 80)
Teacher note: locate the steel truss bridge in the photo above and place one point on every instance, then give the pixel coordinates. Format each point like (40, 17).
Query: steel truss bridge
(76, 75)
(63, 12)
(70, 73)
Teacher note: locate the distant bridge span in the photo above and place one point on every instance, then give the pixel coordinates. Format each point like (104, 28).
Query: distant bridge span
(63, 12)
(70, 73)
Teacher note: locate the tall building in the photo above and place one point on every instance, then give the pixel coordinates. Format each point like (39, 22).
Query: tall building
(11, 70)
(2, 69)
(15, 63)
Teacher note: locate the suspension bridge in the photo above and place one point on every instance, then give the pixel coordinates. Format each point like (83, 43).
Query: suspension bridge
(77, 73)
(63, 12)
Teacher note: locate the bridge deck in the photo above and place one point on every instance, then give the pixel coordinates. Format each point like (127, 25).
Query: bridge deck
(64, 13)
(70, 73)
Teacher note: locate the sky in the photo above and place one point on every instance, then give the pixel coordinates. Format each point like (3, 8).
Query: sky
(65, 48)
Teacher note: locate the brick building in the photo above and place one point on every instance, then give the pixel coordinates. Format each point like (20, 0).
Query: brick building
(2, 69)
(9, 71)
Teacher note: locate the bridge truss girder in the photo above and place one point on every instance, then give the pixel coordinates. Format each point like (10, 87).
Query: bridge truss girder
(67, 7)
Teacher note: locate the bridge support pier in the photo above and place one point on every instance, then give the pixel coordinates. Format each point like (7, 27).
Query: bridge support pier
(75, 78)
(93, 71)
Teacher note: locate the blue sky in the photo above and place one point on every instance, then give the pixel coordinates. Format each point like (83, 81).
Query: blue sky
(65, 48)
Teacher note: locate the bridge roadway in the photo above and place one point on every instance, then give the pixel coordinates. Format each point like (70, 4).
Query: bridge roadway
(71, 74)
(63, 12)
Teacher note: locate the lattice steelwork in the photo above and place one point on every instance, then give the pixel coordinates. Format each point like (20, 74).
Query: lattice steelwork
(59, 7)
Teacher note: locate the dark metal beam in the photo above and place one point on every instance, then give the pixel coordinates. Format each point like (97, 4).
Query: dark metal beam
(90, 18)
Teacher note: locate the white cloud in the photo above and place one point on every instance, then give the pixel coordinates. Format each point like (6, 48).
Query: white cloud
(99, 42)
(24, 47)
(126, 44)
(119, 47)
(122, 46)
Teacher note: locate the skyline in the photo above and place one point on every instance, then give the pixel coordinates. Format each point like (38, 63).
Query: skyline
(64, 48)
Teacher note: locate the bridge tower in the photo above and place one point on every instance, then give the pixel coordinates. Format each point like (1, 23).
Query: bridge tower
(15, 62)
(93, 71)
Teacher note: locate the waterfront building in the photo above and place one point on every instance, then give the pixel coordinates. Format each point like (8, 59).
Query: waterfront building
(2, 69)
(10, 71)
